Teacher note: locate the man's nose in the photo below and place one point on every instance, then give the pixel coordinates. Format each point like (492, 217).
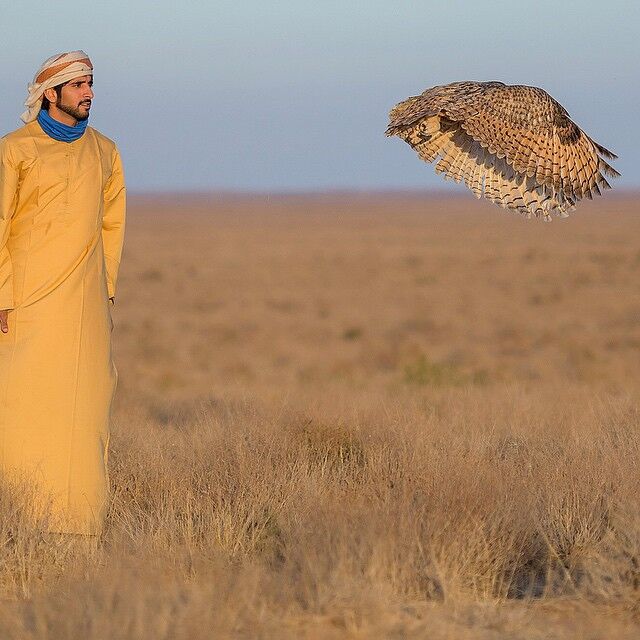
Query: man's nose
(89, 93)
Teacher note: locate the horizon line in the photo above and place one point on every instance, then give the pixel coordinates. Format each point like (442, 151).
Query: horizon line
(343, 191)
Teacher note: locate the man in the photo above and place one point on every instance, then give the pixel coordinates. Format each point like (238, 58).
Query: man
(62, 214)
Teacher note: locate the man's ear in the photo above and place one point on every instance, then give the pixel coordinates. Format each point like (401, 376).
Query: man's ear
(50, 95)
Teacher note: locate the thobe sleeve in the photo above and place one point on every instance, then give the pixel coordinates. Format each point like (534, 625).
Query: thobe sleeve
(113, 222)
(8, 189)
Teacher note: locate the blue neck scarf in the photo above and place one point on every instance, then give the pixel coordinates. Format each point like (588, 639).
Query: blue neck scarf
(59, 130)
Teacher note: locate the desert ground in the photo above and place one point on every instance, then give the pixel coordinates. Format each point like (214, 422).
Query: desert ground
(359, 416)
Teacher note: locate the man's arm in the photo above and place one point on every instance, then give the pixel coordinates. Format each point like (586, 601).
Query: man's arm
(8, 186)
(113, 222)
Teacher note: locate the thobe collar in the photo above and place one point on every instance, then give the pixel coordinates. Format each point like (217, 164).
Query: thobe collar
(58, 130)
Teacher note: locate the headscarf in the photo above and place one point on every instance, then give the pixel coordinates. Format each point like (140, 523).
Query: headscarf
(56, 70)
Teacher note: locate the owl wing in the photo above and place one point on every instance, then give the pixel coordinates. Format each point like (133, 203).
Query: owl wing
(513, 145)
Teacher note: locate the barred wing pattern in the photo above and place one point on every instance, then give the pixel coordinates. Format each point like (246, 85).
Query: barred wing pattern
(512, 144)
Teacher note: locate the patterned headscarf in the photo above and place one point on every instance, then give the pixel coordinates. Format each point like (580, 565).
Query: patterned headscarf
(56, 70)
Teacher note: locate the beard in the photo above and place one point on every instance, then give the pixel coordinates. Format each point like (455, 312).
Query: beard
(74, 112)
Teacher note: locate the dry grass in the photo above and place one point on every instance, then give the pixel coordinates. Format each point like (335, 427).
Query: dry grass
(356, 417)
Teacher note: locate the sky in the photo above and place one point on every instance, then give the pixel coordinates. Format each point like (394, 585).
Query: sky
(250, 95)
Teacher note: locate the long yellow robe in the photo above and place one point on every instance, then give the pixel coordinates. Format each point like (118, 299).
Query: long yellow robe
(62, 214)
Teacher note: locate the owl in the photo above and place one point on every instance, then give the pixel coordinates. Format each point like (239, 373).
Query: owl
(512, 144)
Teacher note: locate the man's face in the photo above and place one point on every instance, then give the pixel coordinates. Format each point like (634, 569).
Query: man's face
(75, 97)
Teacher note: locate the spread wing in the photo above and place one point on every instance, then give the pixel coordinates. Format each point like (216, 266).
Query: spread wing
(514, 145)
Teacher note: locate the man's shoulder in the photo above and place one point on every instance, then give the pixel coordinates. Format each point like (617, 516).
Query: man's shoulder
(17, 135)
(106, 143)
(19, 139)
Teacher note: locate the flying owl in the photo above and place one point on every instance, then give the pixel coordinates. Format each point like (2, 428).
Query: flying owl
(512, 144)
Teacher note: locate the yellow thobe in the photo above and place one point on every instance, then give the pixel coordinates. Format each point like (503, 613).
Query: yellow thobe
(62, 214)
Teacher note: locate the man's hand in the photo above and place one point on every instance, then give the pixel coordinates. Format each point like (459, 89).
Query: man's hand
(4, 326)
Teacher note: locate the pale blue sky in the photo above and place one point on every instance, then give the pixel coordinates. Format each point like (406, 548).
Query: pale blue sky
(294, 95)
